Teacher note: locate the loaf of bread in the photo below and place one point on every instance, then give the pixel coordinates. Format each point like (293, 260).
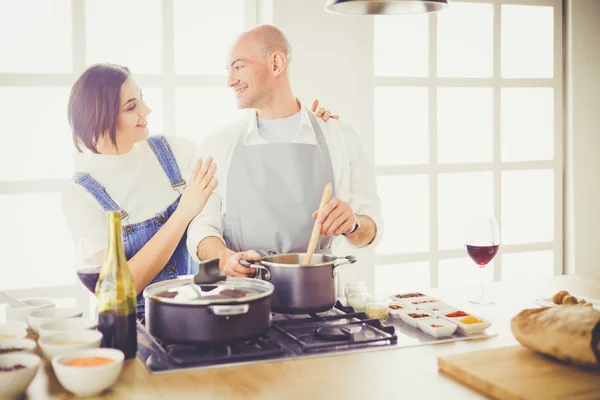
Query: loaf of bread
(567, 333)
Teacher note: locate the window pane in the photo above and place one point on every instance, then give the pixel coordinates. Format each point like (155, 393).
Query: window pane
(460, 197)
(204, 32)
(527, 124)
(527, 206)
(401, 45)
(405, 207)
(465, 125)
(34, 122)
(35, 221)
(200, 112)
(36, 36)
(395, 278)
(401, 126)
(533, 265)
(465, 40)
(527, 41)
(154, 99)
(463, 271)
(137, 43)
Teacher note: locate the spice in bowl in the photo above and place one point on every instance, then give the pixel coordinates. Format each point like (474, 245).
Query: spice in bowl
(89, 362)
(5, 336)
(470, 320)
(416, 315)
(12, 368)
(457, 314)
(437, 326)
(396, 307)
(408, 295)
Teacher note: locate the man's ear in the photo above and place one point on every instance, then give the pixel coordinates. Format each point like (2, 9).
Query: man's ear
(278, 63)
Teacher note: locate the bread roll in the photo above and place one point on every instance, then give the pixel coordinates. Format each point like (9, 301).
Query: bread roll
(570, 334)
(558, 297)
(569, 300)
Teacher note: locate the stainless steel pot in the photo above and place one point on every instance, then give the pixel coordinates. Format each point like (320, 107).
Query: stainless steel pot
(300, 289)
(210, 311)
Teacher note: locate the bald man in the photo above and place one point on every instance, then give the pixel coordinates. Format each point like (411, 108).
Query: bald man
(274, 165)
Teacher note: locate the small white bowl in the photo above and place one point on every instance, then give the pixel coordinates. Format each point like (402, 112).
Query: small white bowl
(16, 345)
(69, 341)
(20, 314)
(40, 317)
(12, 331)
(88, 381)
(69, 324)
(437, 327)
(14, 384)
(414, 322)
(395, 312)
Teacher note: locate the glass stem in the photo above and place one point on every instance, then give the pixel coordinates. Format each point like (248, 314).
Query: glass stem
(482, 274)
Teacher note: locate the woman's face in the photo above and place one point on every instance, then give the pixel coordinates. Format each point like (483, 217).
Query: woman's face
(133, 112)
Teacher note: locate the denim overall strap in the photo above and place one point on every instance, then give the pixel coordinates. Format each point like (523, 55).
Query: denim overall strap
(99, 193)
(166, 158)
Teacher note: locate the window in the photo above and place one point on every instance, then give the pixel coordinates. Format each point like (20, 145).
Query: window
(176, 51)
(468, 116)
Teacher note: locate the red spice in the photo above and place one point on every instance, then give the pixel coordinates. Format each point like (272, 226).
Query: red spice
(12, 368)
(457, 314)
(423, 301)
(418, 315)
(437, 326)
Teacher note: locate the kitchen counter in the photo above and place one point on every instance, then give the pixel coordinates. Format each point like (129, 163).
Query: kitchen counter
(381, 374)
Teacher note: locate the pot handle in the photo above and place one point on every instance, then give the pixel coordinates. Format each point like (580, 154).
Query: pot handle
(227, 310)
(342, 261)
(258, 266)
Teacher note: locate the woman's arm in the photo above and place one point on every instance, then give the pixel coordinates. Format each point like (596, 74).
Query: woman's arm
(153, 256)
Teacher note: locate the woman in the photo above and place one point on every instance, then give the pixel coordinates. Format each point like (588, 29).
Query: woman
(142, 177)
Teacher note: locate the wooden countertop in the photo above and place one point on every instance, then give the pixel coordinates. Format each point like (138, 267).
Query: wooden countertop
(382, 374)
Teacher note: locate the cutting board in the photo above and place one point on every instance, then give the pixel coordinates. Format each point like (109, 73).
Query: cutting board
(518, 373)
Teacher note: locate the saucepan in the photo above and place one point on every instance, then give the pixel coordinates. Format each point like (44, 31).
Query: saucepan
(299, 288)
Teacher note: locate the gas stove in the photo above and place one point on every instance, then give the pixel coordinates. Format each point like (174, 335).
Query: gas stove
(339, 330)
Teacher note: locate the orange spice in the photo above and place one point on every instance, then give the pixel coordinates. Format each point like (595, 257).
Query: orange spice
(89, 362)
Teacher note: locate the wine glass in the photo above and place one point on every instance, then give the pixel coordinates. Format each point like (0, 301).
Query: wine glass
(88, 276)
(482, 239)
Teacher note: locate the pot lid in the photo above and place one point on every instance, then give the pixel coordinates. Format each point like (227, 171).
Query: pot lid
(232, 290)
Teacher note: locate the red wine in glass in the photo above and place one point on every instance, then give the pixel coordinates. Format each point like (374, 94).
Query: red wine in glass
(89, 277)
(482, 255)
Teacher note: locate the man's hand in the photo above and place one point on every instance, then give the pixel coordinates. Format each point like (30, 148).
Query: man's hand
(233, 267)
(321, 112)
(336, 218)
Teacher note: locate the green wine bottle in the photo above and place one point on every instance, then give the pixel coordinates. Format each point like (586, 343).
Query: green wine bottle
(116, 294)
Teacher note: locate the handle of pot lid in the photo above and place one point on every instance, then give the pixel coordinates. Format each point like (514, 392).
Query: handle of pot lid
(209, 272)
(227, 310)
(258, 266)
(342, 261)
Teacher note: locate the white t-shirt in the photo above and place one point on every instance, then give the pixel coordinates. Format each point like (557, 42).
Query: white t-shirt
(135, 181)
(282, 130)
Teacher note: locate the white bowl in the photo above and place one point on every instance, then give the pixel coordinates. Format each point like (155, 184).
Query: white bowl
(437, 327)
(68, 341)
(414, 322)
(69, 324)
(12, 331)
(20, 314)
(39, 317)
(14, 383)
(88, 381)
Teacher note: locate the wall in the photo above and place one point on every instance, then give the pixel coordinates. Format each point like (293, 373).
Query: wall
(582, 199)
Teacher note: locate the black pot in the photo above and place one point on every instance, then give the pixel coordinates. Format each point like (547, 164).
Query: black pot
(226, 311)
(299, 288)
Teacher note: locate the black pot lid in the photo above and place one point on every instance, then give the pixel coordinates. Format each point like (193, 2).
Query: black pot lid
(232, 290)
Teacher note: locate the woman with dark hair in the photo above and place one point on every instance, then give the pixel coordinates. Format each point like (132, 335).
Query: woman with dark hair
(141, 177)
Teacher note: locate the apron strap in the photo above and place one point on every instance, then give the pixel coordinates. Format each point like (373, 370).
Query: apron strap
(99, 193)
(167, 161)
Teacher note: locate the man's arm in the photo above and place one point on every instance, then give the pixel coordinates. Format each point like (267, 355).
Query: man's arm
(229, 261)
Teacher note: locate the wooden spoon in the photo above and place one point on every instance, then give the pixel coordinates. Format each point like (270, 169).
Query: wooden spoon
(314, 237)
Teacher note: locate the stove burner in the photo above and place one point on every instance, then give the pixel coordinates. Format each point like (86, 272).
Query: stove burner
(337, 332)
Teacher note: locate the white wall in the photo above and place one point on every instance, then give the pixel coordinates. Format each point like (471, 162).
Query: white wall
(332, 60)
(582, 200)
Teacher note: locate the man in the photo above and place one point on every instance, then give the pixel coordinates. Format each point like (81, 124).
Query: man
(274, 165)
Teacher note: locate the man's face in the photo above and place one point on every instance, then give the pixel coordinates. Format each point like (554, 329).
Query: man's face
(249, 74)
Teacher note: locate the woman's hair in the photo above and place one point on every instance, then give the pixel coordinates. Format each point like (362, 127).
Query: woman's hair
(94, 104)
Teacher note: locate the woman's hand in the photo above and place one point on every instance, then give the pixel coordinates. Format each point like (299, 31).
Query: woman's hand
(198, 189)
(321, 112)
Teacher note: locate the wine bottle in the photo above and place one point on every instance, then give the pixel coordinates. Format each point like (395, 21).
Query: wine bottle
(116, 294)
